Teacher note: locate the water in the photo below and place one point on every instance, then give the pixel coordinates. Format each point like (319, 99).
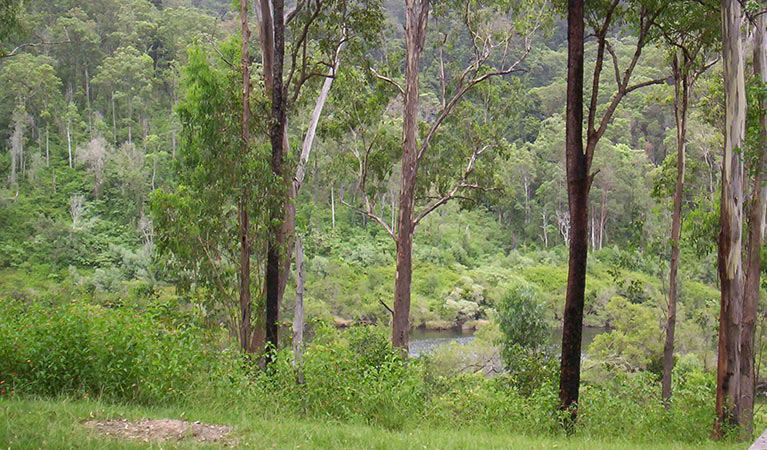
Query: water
(427, 341)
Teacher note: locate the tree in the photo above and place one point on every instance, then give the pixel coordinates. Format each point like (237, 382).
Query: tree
(730, 257)
(577, 195)
(689, 29)
(221, 181)
(319, 32)
(487, 43)
(756, 221)
(602, 16)
(126, 77)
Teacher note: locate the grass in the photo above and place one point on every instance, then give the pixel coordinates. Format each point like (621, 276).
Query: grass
(39, 423)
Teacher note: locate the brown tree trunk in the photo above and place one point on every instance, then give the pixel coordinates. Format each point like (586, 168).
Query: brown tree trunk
(731, 221)
(416, 12)
(680, 112)
(755, 237)
(578, 184)
(244, 226)
(279, 117)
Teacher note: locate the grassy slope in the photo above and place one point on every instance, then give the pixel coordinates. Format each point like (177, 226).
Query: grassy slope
(31, 423)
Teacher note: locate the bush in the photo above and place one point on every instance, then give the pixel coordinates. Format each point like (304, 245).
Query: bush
(522, 320)
(82, 349)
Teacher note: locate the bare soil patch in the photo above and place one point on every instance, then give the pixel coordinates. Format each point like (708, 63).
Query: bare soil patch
(161, 430)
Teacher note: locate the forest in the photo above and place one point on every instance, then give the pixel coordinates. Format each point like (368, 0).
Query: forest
(383, 223)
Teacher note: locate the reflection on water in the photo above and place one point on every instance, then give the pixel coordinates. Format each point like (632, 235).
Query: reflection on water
(426, 341)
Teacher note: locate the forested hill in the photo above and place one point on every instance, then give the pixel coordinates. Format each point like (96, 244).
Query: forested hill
(92, 126)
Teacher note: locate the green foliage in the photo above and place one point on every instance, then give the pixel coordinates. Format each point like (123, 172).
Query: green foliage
(59, 347)
(522, 320)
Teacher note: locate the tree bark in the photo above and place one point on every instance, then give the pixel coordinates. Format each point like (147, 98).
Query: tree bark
(416, 12)
(731, 221)
(578, 184)
(277, 137)
(681, 92)
(756, 219)
(244, 226)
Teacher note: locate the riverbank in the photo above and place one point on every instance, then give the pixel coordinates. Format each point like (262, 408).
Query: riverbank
(36, 423)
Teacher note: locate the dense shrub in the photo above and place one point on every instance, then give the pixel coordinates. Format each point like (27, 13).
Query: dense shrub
(82, 349)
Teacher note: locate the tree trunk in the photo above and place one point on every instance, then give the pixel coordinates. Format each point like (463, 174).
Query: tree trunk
(69, 140)
(298, 314)
(756, 221)
(731, 221)
(114, 119)
(681, 91)
(602, 220)
(245, 300)
(88, 99)
(415, 31)
(277, 137)
(578, 184)
(332, 208)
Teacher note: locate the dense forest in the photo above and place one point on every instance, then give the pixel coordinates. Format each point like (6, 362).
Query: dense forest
(249, 207)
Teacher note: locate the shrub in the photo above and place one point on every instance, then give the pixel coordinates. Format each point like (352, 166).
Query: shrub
(82, 349)
(522, 320)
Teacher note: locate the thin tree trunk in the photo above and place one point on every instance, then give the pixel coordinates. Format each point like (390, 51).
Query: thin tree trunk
(298, 314)
(114, 119)
(681, 91)
(415, 31)
(88, 99)
(602, 220)
(47, 147)
(69, 141)
(245, 300)
(332, 208)
(756, 222)
(731, 221)
(577, 192)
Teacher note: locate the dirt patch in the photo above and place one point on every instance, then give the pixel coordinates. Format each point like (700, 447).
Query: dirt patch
(161, 430)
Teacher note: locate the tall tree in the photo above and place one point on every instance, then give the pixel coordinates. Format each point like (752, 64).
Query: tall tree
(730, 260)
(602, 17)
(756, 221)
(278, 136)
(242, 204)
(324, 28)
(690, 30)
(577, 195)
(488, 41)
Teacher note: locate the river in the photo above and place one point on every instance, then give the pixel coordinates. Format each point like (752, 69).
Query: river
(426, 341)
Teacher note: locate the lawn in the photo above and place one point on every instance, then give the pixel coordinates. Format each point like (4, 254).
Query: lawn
(38, 423)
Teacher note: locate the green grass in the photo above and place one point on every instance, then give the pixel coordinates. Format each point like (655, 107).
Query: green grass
(35, 423)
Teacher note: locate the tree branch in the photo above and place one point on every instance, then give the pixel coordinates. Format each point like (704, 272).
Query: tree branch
(369, 213)
(388, 80)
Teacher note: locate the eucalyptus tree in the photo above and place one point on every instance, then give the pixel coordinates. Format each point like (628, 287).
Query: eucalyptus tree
(603, 18)
(730, 255)
(691, 32)
(756, 221)
(126, 78)
(299, 46)
(223, 187)
(31, 94)
(499, 36)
